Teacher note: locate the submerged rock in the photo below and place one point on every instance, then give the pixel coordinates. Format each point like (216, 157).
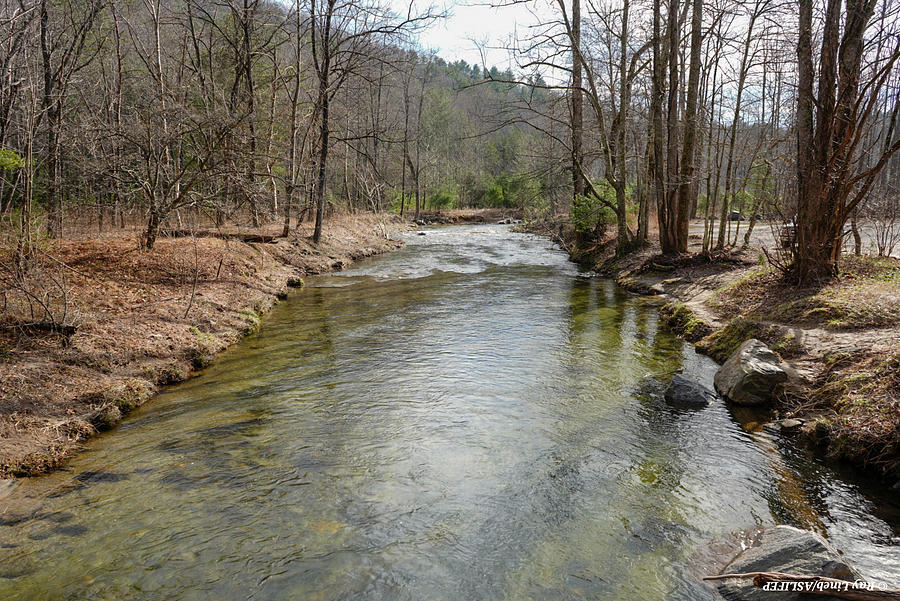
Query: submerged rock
(751, 374)
(7, 486)
(17, 566)
(783, 549)
(648, 388)
(683, 392)
(97, 476)
(71, 530)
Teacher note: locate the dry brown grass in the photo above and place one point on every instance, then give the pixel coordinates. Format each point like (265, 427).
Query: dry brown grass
(857, 403)
(142, 319)
(865, 295)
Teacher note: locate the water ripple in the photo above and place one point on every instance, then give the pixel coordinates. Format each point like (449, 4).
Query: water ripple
(466, 418)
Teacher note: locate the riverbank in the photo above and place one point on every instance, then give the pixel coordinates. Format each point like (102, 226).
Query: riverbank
(394, 426)
(842, 338)
(138, 320)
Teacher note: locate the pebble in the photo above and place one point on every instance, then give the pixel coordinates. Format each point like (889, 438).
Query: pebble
(791, 425)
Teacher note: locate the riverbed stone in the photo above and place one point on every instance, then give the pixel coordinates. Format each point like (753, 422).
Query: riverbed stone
(784, 549)
(751, 374)
(683, 392)
(790, 425)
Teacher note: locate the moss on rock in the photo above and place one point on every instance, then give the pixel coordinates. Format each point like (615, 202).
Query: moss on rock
(723, 342)
(684, 321)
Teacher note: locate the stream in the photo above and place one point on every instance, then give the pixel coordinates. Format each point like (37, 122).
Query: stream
(466, 418)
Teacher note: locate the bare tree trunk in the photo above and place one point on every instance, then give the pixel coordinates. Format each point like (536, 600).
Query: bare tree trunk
(828, 188)
(248, 17)
(51, 106)
(658, 179)
(729, 167)
(152, 231)
(643, 194)
(403, 159)
(686, 177)
(323, 69)
(623, 239)
(323, 155)
(577, 104)
(711, 164)
(417, 171)
(117, 146)
(667, 225)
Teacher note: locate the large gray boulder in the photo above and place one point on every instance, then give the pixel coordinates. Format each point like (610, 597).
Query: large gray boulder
(784, 549)
(751, 374)
(683, 392)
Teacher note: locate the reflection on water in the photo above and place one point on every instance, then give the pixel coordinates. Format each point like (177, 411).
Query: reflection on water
(465, 418)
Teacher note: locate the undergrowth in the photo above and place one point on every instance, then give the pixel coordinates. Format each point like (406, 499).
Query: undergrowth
(865, 295)
(858, 400)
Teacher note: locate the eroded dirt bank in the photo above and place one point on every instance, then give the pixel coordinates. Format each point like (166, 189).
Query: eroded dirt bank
(144, 319)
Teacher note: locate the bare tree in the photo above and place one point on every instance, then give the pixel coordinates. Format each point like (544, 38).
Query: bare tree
(341, 33)
(832, 177)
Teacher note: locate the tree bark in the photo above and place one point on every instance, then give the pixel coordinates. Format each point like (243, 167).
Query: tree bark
(688, 155)
(667, 226)
(323, 68)
(577, 104)
(827, 143)
(658, 183)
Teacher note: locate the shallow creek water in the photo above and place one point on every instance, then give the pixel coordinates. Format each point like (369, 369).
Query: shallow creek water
(467, 418)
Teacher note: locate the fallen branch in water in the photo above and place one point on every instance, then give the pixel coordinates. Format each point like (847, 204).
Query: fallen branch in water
(816, 585)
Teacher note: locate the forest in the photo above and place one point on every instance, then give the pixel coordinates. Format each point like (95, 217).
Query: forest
(636, 115)
(250, 112)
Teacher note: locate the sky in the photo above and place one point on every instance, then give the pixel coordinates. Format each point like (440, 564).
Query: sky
(472, 23)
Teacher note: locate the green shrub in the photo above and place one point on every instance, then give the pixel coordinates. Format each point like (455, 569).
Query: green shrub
(9, 160)
(444, 198)
(588, 212)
